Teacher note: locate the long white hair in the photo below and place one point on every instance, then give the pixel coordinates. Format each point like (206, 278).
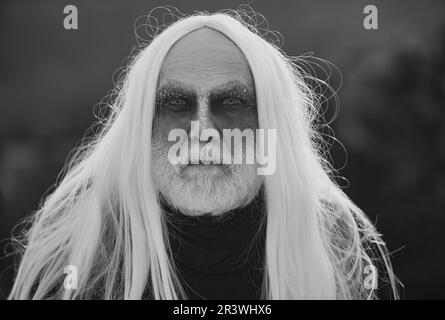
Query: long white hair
(105, 219)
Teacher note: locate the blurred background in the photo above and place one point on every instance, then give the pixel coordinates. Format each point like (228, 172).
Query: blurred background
(391, 118)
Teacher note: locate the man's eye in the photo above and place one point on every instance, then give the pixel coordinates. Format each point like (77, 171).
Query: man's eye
(231, 102)
(177, 102)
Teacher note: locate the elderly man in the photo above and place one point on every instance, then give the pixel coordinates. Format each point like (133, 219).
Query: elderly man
(143, 214)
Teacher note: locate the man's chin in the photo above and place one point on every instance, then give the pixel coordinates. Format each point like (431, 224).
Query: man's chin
(198, 189)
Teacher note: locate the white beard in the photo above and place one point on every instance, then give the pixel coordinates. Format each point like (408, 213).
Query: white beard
(203, 189)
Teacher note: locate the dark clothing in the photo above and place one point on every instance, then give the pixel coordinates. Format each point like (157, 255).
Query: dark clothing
(219, 257)
(222, 257)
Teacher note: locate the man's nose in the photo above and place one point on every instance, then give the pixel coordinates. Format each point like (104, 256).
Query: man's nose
(203, 116)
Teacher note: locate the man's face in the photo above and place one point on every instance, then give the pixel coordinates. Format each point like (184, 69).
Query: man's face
(204, 78)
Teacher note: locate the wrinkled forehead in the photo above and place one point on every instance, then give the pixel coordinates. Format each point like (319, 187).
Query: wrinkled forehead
(203, 59)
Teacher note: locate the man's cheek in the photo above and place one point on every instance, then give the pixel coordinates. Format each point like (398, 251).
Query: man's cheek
(236, 120)
(167, 121)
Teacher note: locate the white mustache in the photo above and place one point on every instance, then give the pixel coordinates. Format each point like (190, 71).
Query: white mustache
(202, 192)
(199, 152)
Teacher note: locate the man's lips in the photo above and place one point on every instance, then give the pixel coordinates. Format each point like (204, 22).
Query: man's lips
(208, 168)
(202, 165)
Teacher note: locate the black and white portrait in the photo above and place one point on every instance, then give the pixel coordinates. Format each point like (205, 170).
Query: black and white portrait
(221, 151)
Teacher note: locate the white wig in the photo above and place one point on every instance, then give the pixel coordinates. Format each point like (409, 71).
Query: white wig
(104, 216)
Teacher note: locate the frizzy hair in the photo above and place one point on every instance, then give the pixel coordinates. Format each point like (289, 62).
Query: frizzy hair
(104, 215)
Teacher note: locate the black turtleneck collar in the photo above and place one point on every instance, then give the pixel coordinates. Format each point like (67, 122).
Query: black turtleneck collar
(219, 257)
